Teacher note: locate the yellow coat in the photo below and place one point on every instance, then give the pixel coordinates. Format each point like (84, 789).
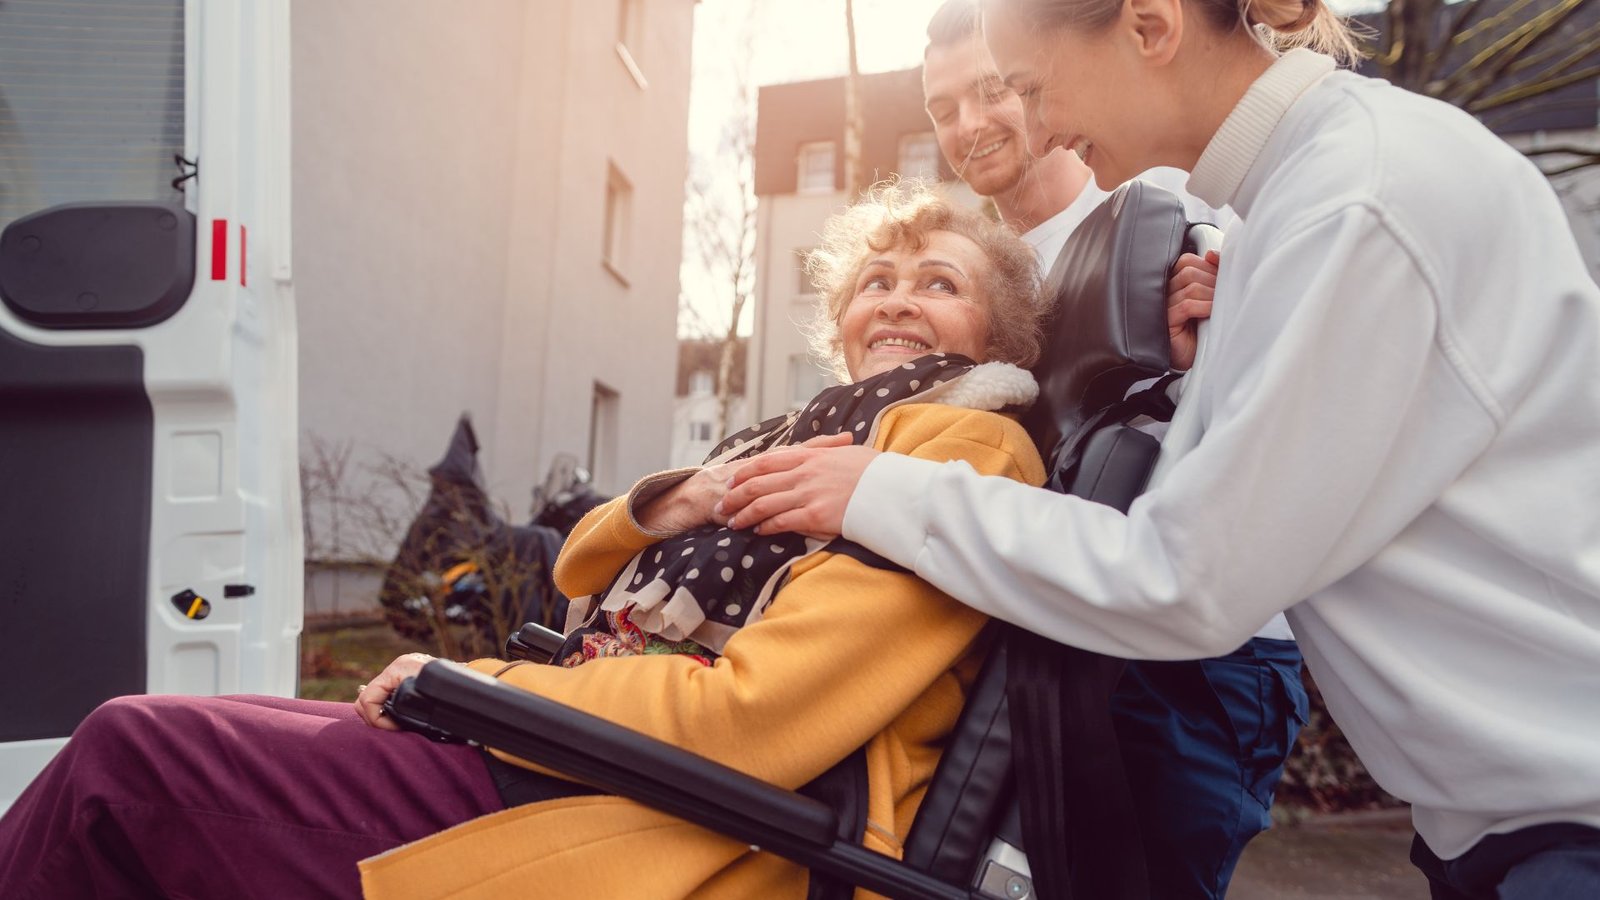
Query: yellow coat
(847, 655)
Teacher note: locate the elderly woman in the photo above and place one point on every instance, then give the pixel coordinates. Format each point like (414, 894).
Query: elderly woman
(755, 652)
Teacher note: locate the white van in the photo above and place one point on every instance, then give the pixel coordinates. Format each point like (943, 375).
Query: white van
(149, 493)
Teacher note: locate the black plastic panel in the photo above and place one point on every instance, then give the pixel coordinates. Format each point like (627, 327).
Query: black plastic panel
(98, 265)
(1110, 289)
(76, 436)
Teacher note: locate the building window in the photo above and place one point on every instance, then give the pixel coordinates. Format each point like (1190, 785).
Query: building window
(919, 156)
(699, 431)
(701, 383)
(603, 413)
(816, 168)
(803, 281)
(806, 380)
(630, 26)
(619, 213)
(92, 103)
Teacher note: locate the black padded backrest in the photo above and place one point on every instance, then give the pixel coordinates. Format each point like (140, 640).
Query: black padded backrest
(1106, 330)
(971, 789)
(1108, 327)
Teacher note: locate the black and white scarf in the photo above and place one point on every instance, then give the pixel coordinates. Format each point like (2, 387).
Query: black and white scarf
(707, 583)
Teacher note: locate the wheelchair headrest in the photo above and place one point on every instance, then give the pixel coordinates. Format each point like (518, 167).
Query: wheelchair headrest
(1108, 326)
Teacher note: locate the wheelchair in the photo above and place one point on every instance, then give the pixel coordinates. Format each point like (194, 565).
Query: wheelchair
(1029, 798)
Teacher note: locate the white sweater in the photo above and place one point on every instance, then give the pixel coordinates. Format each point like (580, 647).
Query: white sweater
(1401, 423)
(1049, 237)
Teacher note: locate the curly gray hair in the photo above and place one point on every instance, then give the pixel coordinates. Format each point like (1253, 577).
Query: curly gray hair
(901, 214)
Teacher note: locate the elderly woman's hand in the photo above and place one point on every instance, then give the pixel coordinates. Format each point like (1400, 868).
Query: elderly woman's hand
(370, 698)
(1189, 295)
(804, 489)
(687, 504)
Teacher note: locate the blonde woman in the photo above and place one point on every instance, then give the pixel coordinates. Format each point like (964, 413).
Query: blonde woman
(1391, 435)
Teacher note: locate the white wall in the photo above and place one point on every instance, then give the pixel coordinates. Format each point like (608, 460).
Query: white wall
(698, 408)
(449, 175)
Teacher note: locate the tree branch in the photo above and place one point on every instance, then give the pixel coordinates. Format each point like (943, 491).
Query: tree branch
(1523, 92)
(1489, 65)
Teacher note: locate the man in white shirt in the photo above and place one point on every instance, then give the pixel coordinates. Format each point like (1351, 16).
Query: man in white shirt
(1203, 741)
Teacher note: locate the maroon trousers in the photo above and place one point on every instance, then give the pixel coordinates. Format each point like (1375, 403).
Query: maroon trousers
(199, 797)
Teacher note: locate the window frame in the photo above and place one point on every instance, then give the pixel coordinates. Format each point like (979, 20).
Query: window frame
(605, 413)
(802, 186)
(930, 140)
(800, 366)
(617, 223)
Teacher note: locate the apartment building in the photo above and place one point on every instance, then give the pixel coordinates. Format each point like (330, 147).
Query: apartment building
(696, 409)
(488, 203)
(799, 182)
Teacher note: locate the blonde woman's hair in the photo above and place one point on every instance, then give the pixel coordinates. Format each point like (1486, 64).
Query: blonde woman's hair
(1278, 24)
(901, 214)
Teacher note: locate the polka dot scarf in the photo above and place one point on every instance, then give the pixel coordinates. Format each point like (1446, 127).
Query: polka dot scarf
(690, 593)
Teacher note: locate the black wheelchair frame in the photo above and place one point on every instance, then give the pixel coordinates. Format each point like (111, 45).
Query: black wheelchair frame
(1033, 760)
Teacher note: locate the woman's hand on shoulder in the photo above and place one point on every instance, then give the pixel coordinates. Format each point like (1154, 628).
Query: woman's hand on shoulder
(803, 489)
(370, 698)
(1189, 294)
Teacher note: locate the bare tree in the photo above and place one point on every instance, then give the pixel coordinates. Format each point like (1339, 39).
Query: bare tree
(854, 117)
(1501, 60)
(720, 212)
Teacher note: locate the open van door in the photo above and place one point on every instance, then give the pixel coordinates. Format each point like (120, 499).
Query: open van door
(149, 493)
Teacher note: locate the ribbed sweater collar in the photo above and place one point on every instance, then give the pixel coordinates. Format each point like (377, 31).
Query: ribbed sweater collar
(1233, 150)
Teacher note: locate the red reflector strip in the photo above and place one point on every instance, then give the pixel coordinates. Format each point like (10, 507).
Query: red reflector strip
(244, 268)
(219, 249)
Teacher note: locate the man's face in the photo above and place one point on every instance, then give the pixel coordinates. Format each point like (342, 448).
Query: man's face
(978, 120)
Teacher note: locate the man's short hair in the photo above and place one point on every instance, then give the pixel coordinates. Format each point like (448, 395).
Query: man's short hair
(956, 20)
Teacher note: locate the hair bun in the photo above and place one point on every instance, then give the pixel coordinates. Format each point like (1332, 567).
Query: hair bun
(1283, 16)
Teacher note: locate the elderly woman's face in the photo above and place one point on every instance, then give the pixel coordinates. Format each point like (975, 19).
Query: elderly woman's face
(911, 303)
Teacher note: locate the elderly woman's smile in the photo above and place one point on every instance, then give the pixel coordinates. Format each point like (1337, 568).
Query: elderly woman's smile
(910, 302)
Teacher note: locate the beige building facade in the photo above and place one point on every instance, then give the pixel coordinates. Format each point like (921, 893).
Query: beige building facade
(488, 210)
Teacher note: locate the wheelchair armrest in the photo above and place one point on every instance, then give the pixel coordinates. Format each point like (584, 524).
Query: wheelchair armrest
(458, 700)
(534, 643)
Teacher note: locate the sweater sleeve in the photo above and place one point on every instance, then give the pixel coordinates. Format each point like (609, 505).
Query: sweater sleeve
(1332, 350)
(608, 536)
(824, 670)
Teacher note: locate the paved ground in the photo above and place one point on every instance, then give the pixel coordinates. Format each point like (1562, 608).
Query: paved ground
(1357, 857)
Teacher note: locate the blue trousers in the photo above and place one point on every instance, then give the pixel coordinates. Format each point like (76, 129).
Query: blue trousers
(1204, 742)
(1541, 862)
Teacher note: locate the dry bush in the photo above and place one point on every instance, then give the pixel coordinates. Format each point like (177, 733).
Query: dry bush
(367, 513)
(1323, 774)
